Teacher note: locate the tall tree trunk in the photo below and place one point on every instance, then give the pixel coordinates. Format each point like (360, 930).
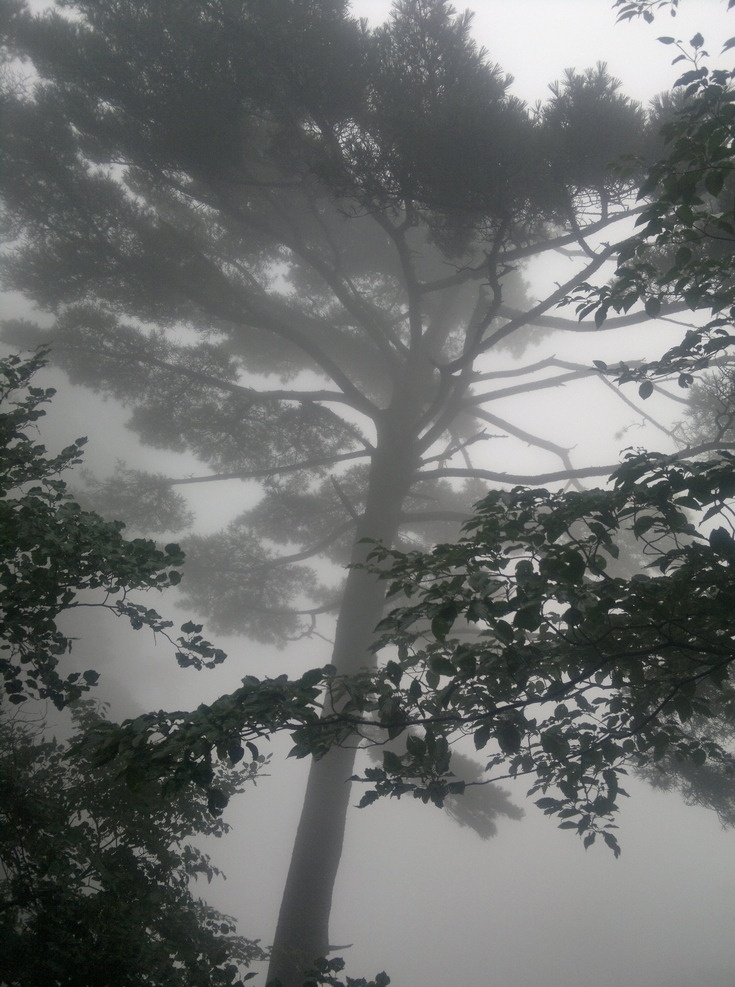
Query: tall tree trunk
(302, 932)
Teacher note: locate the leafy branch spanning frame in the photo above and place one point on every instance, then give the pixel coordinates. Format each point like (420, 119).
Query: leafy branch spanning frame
(520, 638)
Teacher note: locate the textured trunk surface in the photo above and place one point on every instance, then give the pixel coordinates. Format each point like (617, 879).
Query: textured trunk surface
(302, 933)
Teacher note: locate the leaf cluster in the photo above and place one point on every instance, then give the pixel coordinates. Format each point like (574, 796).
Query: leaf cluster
(681, 253)
(190, 750)
(518, 637)
(56, 557)
(324, 973)
(629, 9)
(97, 878)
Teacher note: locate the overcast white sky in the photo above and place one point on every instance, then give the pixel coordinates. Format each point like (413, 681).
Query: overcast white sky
(535, 40)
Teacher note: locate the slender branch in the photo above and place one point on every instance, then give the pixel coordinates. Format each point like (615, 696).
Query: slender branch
(536, 385)
(265, 313)
(520, 433)
(631, 404)
(345, 500)
(315, 549)
(411, 282)
(270, 470)
(343, 290)
(551, 300)
(568, 238)
(532, 368)
(207, 380)
(577, 230)
(468, 273)
(306, 397)
(429, 517)
(453, 387)
(672, 397)
(574, 325)
(285, 330)
(300, 397)
(559, 475)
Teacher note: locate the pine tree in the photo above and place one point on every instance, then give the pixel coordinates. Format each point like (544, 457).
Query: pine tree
(210, 195)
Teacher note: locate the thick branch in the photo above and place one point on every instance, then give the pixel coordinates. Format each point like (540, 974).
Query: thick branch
(559, 475)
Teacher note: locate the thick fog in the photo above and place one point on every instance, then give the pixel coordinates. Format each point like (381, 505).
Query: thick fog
(417, 895)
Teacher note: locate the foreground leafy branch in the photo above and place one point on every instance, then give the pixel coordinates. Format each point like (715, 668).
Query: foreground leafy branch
(682, 248)
(97, 878)
(528, 637)
(56, 557)
(96, 867)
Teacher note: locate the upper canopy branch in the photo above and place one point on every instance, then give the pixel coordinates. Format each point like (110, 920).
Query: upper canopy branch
(411, 283)
(537, 385)
(532, 368)
(252, 307)
(527, 318)
(367, 316)
(530, 438)
(476, 272)
(531, 480)
(252, 396)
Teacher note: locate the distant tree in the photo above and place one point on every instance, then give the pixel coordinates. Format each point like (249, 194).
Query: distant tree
(293, 246)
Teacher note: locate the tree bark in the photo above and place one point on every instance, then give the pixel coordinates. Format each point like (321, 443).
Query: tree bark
(302, 932)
